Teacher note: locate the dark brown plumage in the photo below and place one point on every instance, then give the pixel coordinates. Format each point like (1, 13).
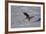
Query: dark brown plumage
(27, 16)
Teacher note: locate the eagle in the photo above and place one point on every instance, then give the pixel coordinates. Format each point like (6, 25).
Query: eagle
(27, 16)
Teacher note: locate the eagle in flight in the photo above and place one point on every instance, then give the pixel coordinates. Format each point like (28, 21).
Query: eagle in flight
(27, 16)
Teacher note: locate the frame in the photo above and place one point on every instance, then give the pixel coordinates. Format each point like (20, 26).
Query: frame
(23, 5)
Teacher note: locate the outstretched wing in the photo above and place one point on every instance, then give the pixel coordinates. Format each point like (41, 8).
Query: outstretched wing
(31, 17)
(26, 14)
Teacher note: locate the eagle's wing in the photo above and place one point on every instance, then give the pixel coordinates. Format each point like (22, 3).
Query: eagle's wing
(26, 14)
(31, 17)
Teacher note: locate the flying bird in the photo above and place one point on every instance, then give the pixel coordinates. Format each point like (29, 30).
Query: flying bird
(27, 16)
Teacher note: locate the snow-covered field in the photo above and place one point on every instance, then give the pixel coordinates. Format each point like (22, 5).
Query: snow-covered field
(18, 18)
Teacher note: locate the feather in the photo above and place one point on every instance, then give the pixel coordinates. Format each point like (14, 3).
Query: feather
(27, 16)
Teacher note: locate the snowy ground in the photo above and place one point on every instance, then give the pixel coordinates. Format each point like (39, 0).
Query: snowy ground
(18, 18)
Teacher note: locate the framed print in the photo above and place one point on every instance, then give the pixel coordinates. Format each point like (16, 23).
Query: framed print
(25, 16)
